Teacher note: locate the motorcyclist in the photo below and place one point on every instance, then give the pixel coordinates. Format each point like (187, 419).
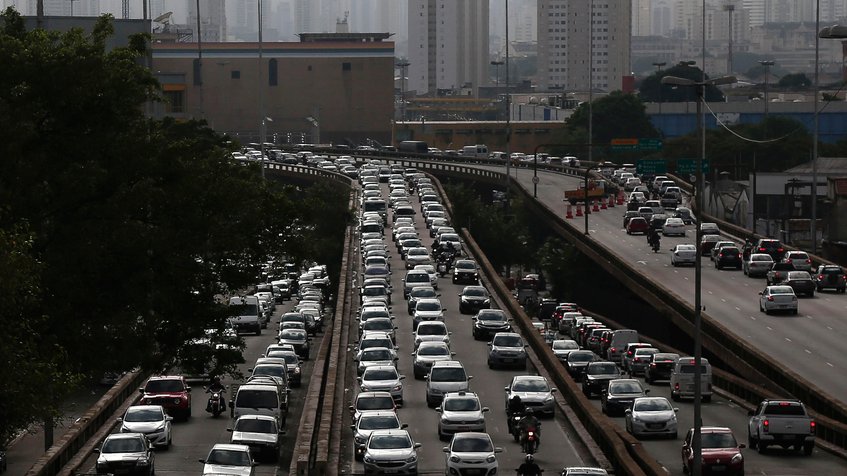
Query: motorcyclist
(215, 387)
(652, 236)
(529, 421)
(516, 406)
(529, 468)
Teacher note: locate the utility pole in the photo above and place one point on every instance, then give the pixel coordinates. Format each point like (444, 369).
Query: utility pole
(729, 8)
(767, 65)
(403, 64)
(508, 116)
(261, 84)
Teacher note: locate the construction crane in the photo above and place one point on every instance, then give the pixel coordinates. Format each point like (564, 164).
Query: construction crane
(125, 8)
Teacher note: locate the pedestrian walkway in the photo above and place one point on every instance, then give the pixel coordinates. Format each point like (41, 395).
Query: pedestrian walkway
(26, 449)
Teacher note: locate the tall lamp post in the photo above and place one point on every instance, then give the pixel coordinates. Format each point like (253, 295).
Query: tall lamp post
(508, 116)
(729, 8)
(700, 87)
(659, 67)
(403, 65)
(497, 65)
(262, 85)
(767, 64)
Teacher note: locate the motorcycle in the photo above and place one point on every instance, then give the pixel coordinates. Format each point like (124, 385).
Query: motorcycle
(530, 441)
(441, 267)
(656, 245)
(216, 403)
(513, 422)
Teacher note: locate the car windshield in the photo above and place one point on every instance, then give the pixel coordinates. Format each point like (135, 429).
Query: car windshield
(799, 276)
(255, 425)
(580, 357)
(651, 405)
(433, 350)
(461, 405)
(719, 440)
(625, 387)
(448, 374)
(645, 352)
(368, 315)
(377, 325)
(229, 458)
(565, 345)
(418, 278)
(472, 445)
(376, 354)
(368, 343)
(375, 403)
(424, 330)
(390, 442)
(293, 334)
(380, 374)
(144, 415)
(374, 291)
(533, 385)
(507, 341)
(761, 258)
(269, 370)
(491, 316)
(465, 265)
(782, 290)
(418, 252)
(474, 292)
(256, 399)
(603, 368)
(379, 422)
(375, 271)
(122, 445)
(422, 292)
(686, 248)
(164, 386)
(428, 306)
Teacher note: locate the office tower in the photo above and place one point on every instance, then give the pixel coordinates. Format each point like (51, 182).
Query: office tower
(448, 45)
(563, 44)
(641, 17)
(212, 20)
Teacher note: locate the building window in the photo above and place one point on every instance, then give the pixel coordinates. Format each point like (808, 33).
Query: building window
(174, 101)
(235, 74)
(346, 66)
(272, 72)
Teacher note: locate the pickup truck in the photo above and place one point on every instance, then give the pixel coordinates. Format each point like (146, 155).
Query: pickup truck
(778, 272)
(782, 423)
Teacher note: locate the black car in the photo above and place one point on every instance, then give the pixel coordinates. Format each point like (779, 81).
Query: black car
(728, 256)
(577, 362)
(488, 322)
(801, 282)
(472, 299)
(779, 271)
(830, 276)
(619, 395)
(546, 309)
(597, 377)
(465, 271)
(771, 247)
(657, 221)
(660, 366)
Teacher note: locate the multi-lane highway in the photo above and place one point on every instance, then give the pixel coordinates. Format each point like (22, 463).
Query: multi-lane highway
(559, 447)
(811, 344)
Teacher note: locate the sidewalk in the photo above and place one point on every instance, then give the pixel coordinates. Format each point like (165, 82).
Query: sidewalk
(27, 448)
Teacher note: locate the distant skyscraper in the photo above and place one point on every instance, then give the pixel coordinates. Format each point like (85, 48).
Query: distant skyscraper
(212, 20)
(641, 17)
(660, 17)
(81, 8)
(448, 45)
(563, 44)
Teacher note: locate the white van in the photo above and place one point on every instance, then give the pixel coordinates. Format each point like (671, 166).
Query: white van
(682, 379)
(258, 399)
(618, 341)
(478, 151)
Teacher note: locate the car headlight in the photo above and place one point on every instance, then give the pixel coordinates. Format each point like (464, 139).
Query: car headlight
(296, 370)
(412, 459)
(360, 439)
(455, 459)
(490, 459)
(142, 462)
(548, 399)
(368, 459)
(397, 388)
(737, 459)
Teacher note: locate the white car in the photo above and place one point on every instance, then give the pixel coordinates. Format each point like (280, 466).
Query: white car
(260, 432)
(460, 411)
(778, 298)
(471, 451)
(383, 378)
(651, 416)
(673, 226)
(758, 264)
(800, 260)
(683, 254)
(563, 347)
(430, 269)
(431, 331)
(151, 421)
(229, 459)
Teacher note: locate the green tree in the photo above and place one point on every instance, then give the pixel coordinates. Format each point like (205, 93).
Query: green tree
(795, 81)
(652, 89)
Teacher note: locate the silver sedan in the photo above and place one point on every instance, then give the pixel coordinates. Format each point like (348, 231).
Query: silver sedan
(652, 416)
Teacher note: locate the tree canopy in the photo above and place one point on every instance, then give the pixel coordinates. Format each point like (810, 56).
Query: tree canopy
(117, 232)
(652, 89)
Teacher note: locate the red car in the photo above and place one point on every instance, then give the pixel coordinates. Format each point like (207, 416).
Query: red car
(721, 452)
(637, 225)
(170, 391)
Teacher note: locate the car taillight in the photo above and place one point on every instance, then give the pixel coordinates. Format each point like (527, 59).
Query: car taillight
(739, 255)
(820, 276)
(761, 249)
(779, 250)
(721, 255)
(788, 261)
(676, 386)
(766, 425)
(613, 349)
(653, 365)
(812, 427)
(808, 261)
(770, 298)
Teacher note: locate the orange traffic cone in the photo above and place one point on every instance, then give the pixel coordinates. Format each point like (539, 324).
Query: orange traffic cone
(594, 206)
(579, 210)
(620, 197)
(603, 203)
(569, 213)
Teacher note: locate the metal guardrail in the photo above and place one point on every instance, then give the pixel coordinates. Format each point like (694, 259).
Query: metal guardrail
(750, 363)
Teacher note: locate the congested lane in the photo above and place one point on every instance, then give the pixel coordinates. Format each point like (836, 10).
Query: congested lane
(556, 450)
(808, 344)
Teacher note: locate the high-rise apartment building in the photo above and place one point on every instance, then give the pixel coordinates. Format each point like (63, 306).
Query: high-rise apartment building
(448, 45)
(565, 55)
(212, 20)
(642, 17)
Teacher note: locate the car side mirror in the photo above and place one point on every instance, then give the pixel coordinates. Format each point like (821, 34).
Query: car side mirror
(470, 377)
(742, 446)
(676, 410)
(141, 390)
(760, 293)
(445, 449)
(169, 418)
(359, 379)
(402, 377)
(439, 409)
(452, 354)
(647, 391)
(96, 450)
(353, 427)
(404, 426)
(554, 390)
(506, 388)
(628, 411)
(202, 461)
(417, 445)
(498, 449)
(229, 430)
(351, 408)
(250, 370)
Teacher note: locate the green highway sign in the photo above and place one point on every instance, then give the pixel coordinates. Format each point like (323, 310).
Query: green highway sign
(649, 144)
(689, 166)
(651, 166)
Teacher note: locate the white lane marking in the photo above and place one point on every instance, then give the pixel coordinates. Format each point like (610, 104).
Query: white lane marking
(830, 364)
(753, 317)
(711, 293)
(723, 300)
(737, 308)
(769, 328)
(809, 317)
(808, 351)
(787, 339)
(829, 328)
(642, 262)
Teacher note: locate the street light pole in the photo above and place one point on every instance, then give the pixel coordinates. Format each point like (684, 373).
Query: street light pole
(729, 8)
(497, 65)
(403, 65)
(262, 86)
(767, 64)
(508, 116)
(590, 89)
(698, 259)
(659, 67)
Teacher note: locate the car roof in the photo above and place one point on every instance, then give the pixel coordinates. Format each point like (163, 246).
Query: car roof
(123, 436)
(230, 447)
(447, 363)
(257, 417)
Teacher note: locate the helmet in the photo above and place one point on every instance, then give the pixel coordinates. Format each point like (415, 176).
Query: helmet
(529, 411)
(529, 458)
(216, 379)
(516, 399)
